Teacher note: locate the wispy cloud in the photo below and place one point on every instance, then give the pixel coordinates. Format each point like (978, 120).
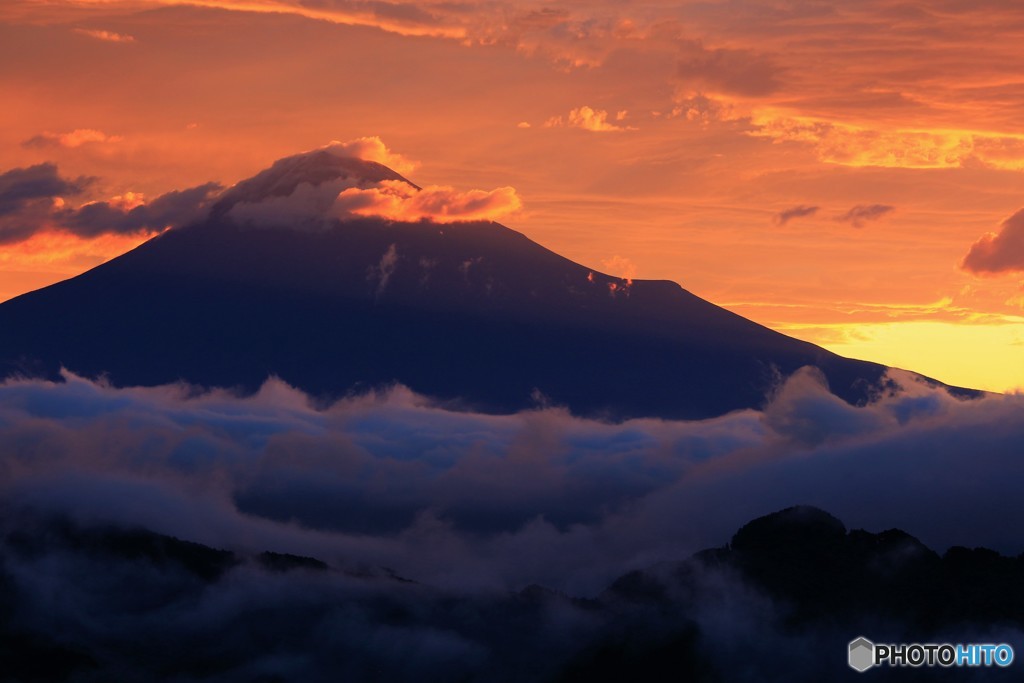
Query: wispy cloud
(107, 36)
(620, 266)
(801, 211)
(861, 214)
(72, 139)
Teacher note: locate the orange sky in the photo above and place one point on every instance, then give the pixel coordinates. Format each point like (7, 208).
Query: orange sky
(820, 167)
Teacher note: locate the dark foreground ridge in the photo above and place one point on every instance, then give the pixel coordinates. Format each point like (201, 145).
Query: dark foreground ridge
(473, 314)
(779, 603)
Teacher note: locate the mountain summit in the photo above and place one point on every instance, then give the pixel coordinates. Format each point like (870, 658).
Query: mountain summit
(326, 166)
(471, 313)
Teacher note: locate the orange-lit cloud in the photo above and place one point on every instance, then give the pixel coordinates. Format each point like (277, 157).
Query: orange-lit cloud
(395, 200)
(587, 118)
(406, 19)
(311, 188)
(699, 107)
(372, 148)
(108, 36)
(620, 267)
(845, 144)
(75, 138)
(998, 252)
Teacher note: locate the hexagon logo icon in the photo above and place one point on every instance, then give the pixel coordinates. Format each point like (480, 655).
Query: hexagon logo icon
(862, 654)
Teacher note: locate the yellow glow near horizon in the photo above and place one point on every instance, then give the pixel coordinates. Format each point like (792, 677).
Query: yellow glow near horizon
(978, 356)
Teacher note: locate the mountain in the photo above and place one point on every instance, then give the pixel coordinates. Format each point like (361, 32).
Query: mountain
(474, 314)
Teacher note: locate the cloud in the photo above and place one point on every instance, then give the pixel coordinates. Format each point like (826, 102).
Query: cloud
(406, 19)
(20, 186)
(727, 70)
(75, 138)
(587, 118)
(130, 213)
(32, 201)
(1000, 252)
(467, 510)
(620, 267)
(107, 36)
(385, 269)
(862, 213)
(29, 196)
(864, 145)
(800, 211)
(309, 191)
(307, 207)
(471, 501)
(698, 107)
(372, 149)
(396, 200)
(314, 207)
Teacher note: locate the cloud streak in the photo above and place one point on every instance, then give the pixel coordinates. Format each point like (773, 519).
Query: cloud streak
(72, 139)
(862, 214)
(106, 36)
(801, 211)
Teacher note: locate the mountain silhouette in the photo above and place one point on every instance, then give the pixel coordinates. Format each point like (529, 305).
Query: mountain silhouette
(473, 314)
(789, 592)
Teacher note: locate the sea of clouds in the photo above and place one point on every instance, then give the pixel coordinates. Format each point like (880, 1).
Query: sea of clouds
(474, 502)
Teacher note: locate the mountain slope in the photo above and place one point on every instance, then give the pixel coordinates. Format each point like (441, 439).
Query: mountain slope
(473, 313)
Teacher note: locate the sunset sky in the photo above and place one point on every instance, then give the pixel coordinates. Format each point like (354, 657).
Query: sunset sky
(849, 173)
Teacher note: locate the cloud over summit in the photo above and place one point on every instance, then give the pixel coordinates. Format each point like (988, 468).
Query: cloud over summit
(360, 177)
(372, 148)
(311, 189)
